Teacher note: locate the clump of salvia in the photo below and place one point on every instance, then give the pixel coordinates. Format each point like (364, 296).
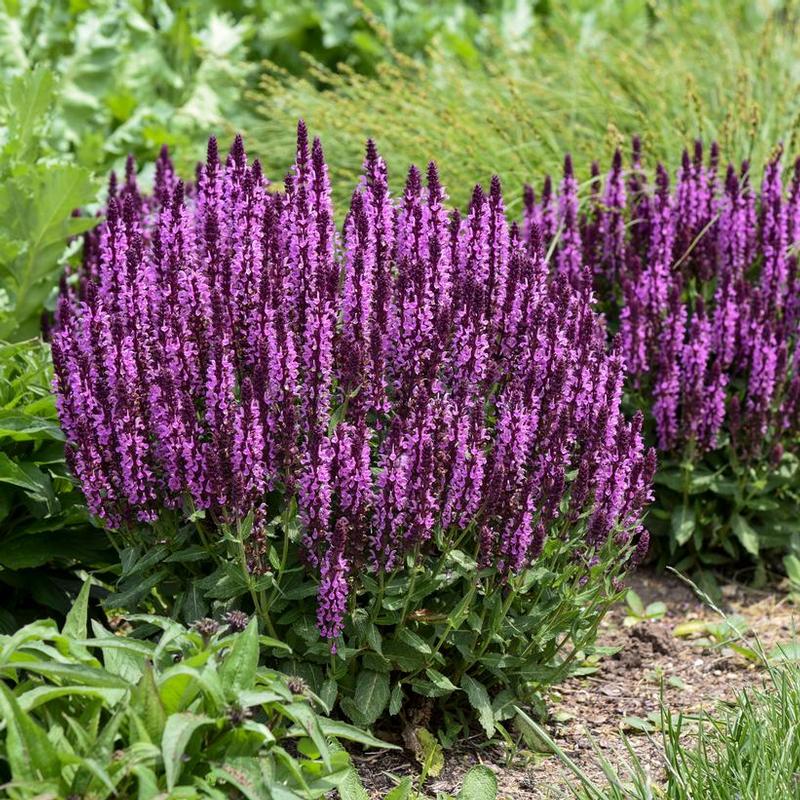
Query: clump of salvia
(702, 281)
(419, 373)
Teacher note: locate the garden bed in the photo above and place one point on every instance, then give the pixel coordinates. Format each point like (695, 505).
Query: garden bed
(696, 673)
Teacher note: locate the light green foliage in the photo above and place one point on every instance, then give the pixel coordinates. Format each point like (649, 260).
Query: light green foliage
(637, 612)
(595, 74)
(160, 709)
(131, 76)
(38, 194)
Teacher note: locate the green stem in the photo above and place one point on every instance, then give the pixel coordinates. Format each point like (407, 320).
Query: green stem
(258, 605)
(410, 591)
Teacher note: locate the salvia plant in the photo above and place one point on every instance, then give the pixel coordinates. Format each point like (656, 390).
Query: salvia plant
(155, 709)
(699, 276)
(410, 420)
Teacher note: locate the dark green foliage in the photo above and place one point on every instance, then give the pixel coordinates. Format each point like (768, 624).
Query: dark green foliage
(442, 632)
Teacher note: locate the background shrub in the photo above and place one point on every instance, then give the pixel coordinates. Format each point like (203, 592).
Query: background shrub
(593, 77)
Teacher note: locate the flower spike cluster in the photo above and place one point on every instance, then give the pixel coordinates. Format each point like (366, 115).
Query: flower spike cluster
(701, 279)
(418, 374)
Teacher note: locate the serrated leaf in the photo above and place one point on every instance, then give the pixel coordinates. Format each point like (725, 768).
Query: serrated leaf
(430, 756)
(238, 670)
(480, 783)
(371, 695)
(441, 681)
(400, 792)
(479, 700)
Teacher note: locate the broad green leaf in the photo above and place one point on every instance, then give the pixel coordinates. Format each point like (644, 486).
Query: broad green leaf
(75, 623)
(441, 681)
(147, 703)
(78, 673)
(28, 98)
(635, 603)
(792, 566)
(341, 730)
(412, 640)
(371, 695)
(745, 533)
(177, 734)
(304, 716)
(30, 754)
(400, 792)
(121, 656)
(396, 700)
(44, 694)
(480, 783)
(238, 670)
(23, 427)
(178, 686)
(683, 522)
(479, 700)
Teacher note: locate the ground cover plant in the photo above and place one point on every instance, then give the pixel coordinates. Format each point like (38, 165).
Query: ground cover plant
(700, 281)
(593, 77)
(156, 709)
(334, 423)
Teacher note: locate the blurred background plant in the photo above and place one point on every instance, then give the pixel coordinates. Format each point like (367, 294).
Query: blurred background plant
(594, 74)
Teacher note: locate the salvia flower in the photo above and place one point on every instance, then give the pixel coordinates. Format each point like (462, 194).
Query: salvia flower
(418, 376)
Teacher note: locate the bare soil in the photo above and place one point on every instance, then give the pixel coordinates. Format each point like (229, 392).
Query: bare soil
(693, 672)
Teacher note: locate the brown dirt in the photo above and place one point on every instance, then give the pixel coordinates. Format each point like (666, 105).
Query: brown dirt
(694, 673)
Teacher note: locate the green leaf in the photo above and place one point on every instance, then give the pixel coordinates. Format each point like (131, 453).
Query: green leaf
(177, 733)
(745, 533)
(75, 623)
(431, 755)
(238, 670)
(78, 673)
(371, 695)
(635, 603)
(44, 694)
(480, 783)
(412, 640)
(146, 701)
(400, 792)
(683, 522)
(28, 98)
(792, 566)
(30, 754)
(479, 700)
(441, 681)
(396, 700)
(341, 730)
(23, 427)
